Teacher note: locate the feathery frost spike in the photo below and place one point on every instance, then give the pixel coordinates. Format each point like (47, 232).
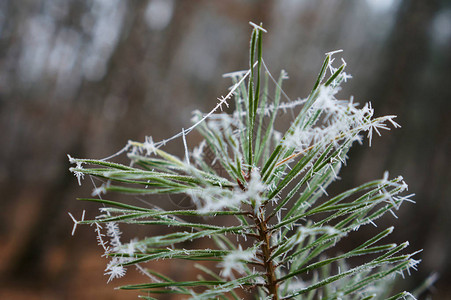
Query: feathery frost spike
(258, 27)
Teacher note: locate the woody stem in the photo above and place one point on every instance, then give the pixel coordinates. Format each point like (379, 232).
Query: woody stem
(265, 238)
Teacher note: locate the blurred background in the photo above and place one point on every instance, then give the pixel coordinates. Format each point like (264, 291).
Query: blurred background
(85, 76)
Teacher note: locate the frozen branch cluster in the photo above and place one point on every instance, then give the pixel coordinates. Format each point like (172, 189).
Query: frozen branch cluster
(339, 120)
(262, 219)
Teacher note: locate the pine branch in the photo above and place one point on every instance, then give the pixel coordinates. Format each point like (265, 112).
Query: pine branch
(283, 232)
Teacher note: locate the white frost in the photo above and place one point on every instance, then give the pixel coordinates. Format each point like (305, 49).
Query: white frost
(235, 260)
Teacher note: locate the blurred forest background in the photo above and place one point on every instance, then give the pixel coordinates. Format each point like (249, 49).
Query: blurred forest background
(85, 76)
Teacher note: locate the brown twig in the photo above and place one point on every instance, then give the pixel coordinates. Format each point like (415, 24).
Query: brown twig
(266, 251)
